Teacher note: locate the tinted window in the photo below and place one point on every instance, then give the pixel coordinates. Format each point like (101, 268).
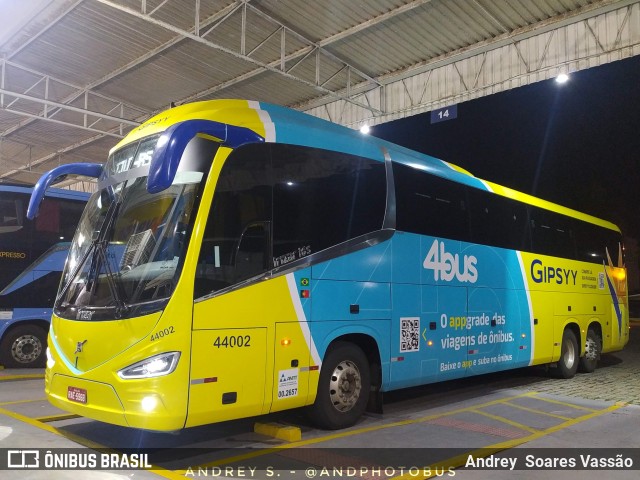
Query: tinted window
(498, 221)
(22, 241)
(275, 204)
(15, 236)
(552, 233)
(13, 222)
(430, 205)
(39, 293)
(57, 221)
(323, 198)
(234, 246)
(593, 242)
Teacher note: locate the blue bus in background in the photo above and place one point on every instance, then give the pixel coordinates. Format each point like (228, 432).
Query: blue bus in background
(32, 256)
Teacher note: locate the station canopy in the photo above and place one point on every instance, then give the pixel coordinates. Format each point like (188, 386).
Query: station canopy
(77, 75)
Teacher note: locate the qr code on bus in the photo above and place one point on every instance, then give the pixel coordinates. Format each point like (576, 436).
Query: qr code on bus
(410, 334)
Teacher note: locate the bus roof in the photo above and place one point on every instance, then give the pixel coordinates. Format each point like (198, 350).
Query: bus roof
(51, 192)
(284, 125)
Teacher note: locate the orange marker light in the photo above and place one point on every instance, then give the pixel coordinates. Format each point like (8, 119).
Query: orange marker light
(285, 342)
(430, 343)
(621, 274)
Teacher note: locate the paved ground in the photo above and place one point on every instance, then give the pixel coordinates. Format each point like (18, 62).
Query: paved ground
(617, 377)
(504, 412)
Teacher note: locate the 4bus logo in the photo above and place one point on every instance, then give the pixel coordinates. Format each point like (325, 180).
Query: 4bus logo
(447, 266)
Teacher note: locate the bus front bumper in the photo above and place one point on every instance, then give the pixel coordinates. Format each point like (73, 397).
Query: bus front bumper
(141, 408)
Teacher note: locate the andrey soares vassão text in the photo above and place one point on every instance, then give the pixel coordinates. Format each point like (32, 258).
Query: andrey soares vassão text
(535, 462)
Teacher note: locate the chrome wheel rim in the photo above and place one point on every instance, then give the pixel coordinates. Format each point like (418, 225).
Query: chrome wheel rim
(569, 356)
(26, 349)
(345, 386)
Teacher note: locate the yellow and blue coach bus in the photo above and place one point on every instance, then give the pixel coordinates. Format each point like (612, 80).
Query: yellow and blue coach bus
(240, 258)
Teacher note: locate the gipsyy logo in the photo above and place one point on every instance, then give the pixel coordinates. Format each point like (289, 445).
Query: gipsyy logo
(447, 266)
(541, 273)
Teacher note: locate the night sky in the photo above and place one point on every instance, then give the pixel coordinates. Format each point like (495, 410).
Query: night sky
(576, 144)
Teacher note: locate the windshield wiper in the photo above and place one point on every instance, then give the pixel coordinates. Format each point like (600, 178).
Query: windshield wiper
(73, 275)
(115, 287)
(98, 249)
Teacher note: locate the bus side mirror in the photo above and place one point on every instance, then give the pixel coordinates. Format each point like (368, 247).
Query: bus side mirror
(174, 140)
(85, 169)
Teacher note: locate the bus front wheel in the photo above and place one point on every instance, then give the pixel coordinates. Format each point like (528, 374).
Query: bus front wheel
(593, 347)
(567, 365)
(343, 388)
(24, 347)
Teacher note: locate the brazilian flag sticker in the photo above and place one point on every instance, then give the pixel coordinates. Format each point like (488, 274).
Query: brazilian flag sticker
(304, 282)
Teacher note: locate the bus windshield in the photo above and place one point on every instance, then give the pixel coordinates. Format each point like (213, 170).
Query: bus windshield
(127, 252)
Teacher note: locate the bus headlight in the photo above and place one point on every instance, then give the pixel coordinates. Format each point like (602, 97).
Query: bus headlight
(50, 361)
(156, 366)
(149, 403)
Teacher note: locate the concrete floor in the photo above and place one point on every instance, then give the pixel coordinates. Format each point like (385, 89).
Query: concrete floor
(505, 415)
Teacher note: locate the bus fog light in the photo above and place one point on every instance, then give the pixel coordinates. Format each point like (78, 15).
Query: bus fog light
(156, 366)
(50, 361)
(149, 403)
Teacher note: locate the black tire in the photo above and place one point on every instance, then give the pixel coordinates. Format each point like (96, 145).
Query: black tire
(343, 388)
(593, 347)
(24, 347)
(567, 365)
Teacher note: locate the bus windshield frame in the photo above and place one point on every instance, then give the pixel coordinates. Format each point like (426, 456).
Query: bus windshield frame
(128, 251)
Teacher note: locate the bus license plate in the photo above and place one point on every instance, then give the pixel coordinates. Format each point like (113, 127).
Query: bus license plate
(78, 395)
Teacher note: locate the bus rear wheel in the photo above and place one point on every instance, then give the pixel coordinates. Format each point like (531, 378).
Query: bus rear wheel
(567, 365)
(593, 347)
(343, 388)
(24, 347)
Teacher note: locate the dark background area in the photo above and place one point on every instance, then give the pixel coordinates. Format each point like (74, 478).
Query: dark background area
(576, 144)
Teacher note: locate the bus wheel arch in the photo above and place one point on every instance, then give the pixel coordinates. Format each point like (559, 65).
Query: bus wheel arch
(592, 348)
(24, 345)
(567, 364)
(350, 369)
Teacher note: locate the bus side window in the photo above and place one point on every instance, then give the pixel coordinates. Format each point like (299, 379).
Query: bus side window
(236, 241)
(498, 221)
(323, 198)
(16, 236)
(252, 255)
(430, 205)
(11, 215)
(551, 234)
(596, 241)
(48, 219)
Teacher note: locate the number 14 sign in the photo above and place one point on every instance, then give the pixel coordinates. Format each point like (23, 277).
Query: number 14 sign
(446, 113)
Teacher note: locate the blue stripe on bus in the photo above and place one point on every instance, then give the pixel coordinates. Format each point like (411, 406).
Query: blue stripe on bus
(500, 337)
(51, 192)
